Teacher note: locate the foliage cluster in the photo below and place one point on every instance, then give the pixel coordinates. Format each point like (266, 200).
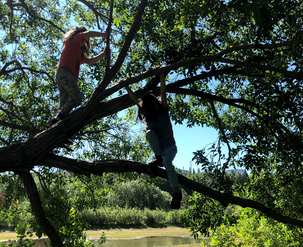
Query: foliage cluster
(253, 229)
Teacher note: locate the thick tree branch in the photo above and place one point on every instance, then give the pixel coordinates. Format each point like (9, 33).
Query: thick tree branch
(196, 60)
(119, 166)
(166, 69)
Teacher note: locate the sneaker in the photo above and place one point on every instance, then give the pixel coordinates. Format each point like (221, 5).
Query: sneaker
(176, 201)
(156, 162)
(52, 121)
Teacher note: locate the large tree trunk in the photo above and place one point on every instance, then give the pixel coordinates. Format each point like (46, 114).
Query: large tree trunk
(34, 198)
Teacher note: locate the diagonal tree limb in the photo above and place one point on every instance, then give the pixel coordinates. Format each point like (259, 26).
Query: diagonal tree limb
(121, 57)
(120, 166)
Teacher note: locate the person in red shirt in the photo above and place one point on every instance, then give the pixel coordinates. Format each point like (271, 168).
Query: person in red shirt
(76, 47)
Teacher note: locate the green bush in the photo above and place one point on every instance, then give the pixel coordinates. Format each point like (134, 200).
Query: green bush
(10, 217)
(126, 217)
(135, 194)
(254, 230)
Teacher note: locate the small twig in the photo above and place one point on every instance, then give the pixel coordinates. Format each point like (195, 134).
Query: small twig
(224, 139)
(97, 14)
(27, 68)
(38, 17)
(108, 30)
(4, 141)
(19, 127)
(3, 70)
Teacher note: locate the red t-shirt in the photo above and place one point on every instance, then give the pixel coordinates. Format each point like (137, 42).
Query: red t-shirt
(71, 55)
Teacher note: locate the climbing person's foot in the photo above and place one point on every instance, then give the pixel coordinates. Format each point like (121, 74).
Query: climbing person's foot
(52, 121)
(156, 162)
(176, 201)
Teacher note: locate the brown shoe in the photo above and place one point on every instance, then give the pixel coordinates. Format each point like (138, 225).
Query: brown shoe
(52, 121)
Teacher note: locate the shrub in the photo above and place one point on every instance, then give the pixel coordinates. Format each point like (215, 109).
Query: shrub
(253, 230)
(135, 194)
(125, 217)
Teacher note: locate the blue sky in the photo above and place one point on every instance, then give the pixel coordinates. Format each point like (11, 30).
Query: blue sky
(189, 140)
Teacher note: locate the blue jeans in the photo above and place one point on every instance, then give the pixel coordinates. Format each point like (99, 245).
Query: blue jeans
(168, 154)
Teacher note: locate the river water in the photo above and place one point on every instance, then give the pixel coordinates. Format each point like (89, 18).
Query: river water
(140, 242)
(152, 241)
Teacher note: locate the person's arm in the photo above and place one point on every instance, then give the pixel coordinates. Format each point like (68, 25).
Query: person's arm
(93, 34)
(95, 58)
(163, 91)
(130, 93)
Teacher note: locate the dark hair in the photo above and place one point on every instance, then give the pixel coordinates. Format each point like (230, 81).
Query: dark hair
(147, 109)
(79, 29)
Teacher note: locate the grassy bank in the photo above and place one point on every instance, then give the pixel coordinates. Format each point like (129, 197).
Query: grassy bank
(137, 233)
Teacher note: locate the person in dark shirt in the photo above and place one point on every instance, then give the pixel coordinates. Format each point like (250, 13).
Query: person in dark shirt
(159, 134)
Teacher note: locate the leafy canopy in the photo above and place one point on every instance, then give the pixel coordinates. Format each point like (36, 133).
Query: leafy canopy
(235, 66)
